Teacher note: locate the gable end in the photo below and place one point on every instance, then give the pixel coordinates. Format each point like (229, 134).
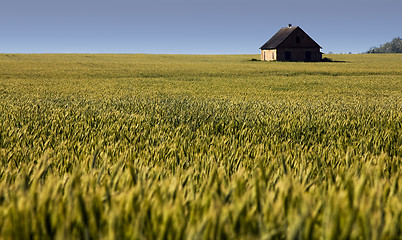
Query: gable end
(290, 37)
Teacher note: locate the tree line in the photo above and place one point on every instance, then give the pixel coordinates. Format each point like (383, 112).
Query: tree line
(395, 46)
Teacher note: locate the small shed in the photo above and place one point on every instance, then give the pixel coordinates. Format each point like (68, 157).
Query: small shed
(291, 44)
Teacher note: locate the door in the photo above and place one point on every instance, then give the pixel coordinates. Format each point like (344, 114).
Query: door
(308, 56)
(288, 56)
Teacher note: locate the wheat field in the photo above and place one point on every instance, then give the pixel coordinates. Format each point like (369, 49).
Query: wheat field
(200, 147)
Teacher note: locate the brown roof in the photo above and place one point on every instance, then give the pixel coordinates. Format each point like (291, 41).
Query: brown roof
(280, 36)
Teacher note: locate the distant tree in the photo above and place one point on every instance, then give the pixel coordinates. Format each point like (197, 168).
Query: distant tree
(395, 46)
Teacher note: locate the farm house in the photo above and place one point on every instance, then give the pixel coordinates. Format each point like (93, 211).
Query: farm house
(291, 44)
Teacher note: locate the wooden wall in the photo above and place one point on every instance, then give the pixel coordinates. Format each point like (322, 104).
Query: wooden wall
(299, 54)
(268, 55)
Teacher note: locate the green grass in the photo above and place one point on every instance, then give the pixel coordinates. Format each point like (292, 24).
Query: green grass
(200, 147)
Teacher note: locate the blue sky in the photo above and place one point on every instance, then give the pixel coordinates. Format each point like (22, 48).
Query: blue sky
(191, 26)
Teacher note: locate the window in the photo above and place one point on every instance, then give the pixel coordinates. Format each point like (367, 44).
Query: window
(297, 39)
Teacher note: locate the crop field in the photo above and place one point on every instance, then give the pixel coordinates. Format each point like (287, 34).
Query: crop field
(200, 147)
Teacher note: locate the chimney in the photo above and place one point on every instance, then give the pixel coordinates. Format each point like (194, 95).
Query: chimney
(289, 25)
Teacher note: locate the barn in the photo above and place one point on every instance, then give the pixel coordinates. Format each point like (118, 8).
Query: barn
(291, 44)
